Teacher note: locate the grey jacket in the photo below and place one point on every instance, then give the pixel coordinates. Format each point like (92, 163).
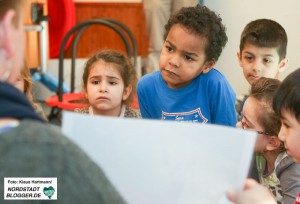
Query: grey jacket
(34, 149)
(288, 172)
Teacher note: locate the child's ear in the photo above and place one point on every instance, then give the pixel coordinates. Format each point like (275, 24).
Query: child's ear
(273, 143)
(127, 92)
(208, 66)
(283, 64)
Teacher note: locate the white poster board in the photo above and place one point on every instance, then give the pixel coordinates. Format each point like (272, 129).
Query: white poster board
(161, 162)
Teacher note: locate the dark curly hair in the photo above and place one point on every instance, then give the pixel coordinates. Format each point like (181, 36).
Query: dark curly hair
(265, 33)
(123, 65)
(205, 23)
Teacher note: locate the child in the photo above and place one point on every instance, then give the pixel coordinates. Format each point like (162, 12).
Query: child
(24, 84)
(109, 81)
(157, 13)
(187, 87)
(286, 105)
(276, 169)
(262, 51)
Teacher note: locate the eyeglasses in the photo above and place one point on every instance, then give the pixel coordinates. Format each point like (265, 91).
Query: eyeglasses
(243, 126)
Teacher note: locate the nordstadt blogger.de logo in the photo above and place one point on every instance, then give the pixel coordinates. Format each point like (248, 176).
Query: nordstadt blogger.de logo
(25, 188)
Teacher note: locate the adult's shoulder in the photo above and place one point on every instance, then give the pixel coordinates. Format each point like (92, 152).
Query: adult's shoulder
(35, 149)
(35, 132)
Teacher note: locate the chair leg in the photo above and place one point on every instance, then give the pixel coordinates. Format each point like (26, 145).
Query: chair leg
(55, 116)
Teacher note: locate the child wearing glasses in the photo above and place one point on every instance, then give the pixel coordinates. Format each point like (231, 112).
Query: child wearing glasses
(286, 105)
(276, 169)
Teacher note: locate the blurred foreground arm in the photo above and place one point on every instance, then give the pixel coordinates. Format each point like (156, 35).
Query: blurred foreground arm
(253, 193)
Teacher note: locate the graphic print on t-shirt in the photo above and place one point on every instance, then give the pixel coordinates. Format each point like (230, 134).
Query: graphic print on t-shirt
(194, 116)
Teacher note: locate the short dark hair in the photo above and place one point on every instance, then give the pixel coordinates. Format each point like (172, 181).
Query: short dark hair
(203, 22)
(265, 33)
(288, 95)
(263, 90)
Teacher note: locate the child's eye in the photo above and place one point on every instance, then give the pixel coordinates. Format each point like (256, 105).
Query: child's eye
(113, 83)
(95, 82)
(285, 125)
(188, 58)
(249, 58)
(170, 49)
(267, 61)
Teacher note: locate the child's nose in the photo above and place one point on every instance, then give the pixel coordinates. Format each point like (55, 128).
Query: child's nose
(174, 61)
(103, 87)
(281, 134)
(257, 66)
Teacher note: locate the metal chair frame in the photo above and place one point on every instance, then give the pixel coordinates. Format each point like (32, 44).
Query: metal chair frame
(117, 26)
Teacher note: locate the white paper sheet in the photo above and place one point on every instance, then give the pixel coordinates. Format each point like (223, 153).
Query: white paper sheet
(162, 162)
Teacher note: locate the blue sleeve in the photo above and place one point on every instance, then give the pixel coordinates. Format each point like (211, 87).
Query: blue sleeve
(222, 100)
(141, 92)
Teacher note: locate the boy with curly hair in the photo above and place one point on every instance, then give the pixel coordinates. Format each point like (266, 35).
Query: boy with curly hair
(187, 87)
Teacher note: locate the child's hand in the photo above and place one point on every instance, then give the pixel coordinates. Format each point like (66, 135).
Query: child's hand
(239, 124)
(253, 193)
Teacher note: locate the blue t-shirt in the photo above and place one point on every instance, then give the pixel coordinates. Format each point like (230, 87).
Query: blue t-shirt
(209, 98)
